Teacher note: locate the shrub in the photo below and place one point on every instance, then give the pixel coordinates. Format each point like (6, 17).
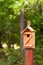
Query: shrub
(14, 57)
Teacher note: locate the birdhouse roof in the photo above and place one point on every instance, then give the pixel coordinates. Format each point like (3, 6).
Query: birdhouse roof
(29, 28)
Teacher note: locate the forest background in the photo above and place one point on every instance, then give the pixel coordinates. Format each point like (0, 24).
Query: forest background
(14, 15)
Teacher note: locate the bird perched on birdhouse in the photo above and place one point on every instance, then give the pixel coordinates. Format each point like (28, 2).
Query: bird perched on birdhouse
(28, 36)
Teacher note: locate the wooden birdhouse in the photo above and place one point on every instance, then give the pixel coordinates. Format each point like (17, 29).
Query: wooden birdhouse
(28, 36)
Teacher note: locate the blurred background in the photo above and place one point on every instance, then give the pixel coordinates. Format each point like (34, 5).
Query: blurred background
(14, 15)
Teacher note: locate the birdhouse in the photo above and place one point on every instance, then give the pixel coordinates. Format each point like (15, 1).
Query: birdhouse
(28, 36)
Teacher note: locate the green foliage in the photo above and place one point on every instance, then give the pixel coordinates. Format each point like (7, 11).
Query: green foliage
(14, 57)
(2, 62)
(38, 58)
(10, 27)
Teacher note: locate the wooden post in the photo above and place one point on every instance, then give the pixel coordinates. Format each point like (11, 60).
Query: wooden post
(29, 56)
(29, 43)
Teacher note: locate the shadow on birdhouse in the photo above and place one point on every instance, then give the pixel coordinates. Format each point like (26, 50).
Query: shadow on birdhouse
(28, 36)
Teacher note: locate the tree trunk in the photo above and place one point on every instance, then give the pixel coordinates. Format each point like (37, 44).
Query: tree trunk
(22, 25)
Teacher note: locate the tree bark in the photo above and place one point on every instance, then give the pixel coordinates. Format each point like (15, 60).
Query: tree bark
(22, 26)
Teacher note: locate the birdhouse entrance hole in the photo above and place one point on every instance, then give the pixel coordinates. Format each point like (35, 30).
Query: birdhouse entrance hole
(28, 35)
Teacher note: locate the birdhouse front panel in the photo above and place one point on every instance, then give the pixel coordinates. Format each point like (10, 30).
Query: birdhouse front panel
(29, 40)
(26, 35)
